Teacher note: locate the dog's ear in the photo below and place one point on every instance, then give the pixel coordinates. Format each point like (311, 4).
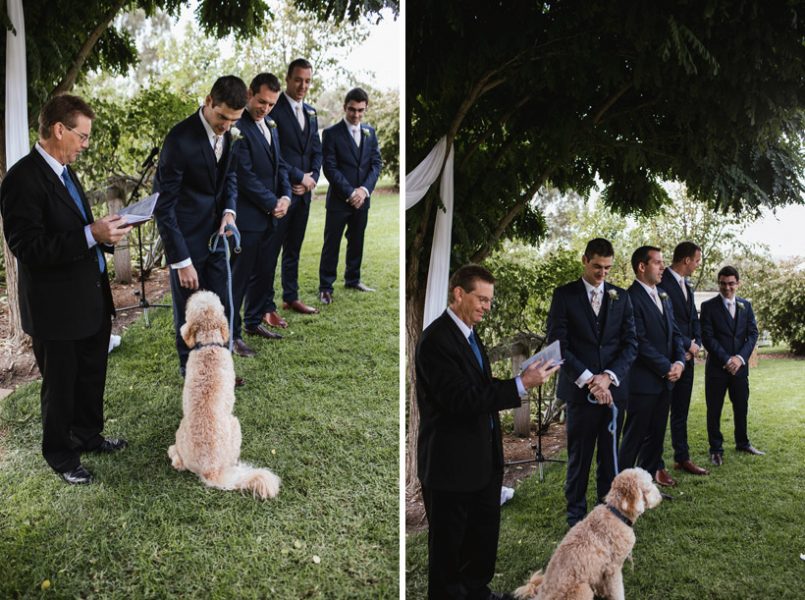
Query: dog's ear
(224, 329)
(188, 334)
(631, 496)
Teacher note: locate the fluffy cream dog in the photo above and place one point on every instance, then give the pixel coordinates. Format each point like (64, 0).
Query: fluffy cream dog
(590, 558)
(208, 438)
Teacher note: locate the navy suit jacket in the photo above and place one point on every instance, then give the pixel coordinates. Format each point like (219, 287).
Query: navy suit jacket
(659, 343)
(685, 315)
(458, 450)
(610, 345)
(348, 167)
(725, 337)
(62, 291)
(193, 190)
(301, 150)
(261, 175)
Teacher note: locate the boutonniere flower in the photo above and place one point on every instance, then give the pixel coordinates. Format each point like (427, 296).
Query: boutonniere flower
(613, 294)
(365, 131)
(235, 133)
(272, 124)
(663, 296)
(311, 113)
(741, 305)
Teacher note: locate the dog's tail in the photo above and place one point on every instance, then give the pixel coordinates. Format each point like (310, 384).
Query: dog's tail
(261, 482)
(531, 587)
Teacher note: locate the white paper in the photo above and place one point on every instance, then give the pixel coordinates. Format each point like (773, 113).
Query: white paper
(552, 353)
(140, 211)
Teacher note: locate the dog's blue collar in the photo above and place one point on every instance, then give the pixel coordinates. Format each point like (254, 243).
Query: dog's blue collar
(620, 515)
(200, 345)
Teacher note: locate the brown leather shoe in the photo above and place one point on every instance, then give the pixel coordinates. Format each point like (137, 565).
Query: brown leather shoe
(239, 382)
(662, 478)
(717, 459)
(275, 320)
(751, 450)
(691, 467)
(262, 331)
(326, 297)
(300, 307)
(241, 349)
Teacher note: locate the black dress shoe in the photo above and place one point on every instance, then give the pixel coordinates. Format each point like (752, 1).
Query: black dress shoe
(239, 382)
(326, 297)
(717, 459)
(78, 476)
(360, 286)
(262, 331)
(109, 445)
(751, 450)
(241, 349)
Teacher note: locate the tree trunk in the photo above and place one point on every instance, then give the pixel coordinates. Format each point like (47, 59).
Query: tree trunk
(114, 198)
(414, 313)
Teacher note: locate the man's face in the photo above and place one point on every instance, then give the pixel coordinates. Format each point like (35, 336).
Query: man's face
(72, 141)
(261, 103)
(297, 83)
(691, 264)
(220, 117)
(354, 111)
(653, 268)
(471, 306)
(728, 285)
(596, 268)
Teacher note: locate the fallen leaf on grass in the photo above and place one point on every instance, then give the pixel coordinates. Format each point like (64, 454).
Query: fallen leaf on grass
(316, 559)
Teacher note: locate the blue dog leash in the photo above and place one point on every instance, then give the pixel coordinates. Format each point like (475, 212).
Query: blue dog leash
(213, 246)
(612, 428)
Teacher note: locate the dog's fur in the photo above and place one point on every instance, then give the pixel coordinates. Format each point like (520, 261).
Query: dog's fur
(208, 438)
(590, 558)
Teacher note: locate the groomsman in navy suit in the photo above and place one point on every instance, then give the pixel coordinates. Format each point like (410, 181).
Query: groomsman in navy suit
(593, 321)
(687, 257)
(298, 130)
(197, 191)
(263, 199)
(729, 333)
(352, 165)
(659, 364)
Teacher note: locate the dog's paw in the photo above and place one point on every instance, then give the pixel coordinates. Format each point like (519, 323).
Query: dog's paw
(176, 460)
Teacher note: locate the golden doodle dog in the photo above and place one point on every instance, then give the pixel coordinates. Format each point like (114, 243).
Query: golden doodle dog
(590, 558)
(208, 438)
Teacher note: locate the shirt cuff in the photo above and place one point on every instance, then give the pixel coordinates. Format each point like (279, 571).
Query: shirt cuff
(229, 210)
(182, 264)
(615, 381)
(88, 235)
(365, 190)
(680, 362)
(741, 358)
(520, 387)
(584, 378)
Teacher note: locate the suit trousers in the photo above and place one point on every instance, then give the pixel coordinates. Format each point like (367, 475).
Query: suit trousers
(587, 428)
(644, 430)
(463, 529)
(297, 218)
(212, 277)
(355, 224)
(73, 381)
(249, 277)
(714, 390)
(680, 407)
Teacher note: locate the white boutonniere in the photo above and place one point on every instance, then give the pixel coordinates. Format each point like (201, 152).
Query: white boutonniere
(235, 133)
(613, 295)
(310, 113)
(741, 305)
(366, 132)
(272, 124)
(663, 296)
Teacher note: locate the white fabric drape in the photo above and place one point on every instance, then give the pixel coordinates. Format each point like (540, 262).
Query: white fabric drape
(17, 144)
(417, 183)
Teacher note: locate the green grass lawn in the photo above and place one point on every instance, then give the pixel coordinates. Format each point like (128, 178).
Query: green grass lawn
(320, 409)
(736, 534)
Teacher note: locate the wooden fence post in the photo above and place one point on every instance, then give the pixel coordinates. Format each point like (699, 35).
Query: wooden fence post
(114, 198)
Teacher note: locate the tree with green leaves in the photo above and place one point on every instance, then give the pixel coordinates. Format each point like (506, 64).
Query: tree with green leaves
(561, 93)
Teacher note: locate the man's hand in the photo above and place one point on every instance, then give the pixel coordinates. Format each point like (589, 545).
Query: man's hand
(109, 230)
(599, 383)
(694, 348)
(306, 185)
(733, 365)
(281, 209)
(603, 397)
(227, 219)
(676, 371)
(188, 278)
(538, 373)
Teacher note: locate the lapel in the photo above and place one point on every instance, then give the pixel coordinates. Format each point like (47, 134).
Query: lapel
(300, 134)
(262, 140)
(730, 322)
(587, 307)
(350, 141)
(666, 312)
(59, 190)
(208, 156)
(673, 289)
(464, 344)
(606, 308)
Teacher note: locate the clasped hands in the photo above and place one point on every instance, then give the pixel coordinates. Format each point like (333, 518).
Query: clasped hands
(306, 185)
(733, 365)
(675, 372)
(599, 388)
(357, 198)
(281, 209)
(538, 373)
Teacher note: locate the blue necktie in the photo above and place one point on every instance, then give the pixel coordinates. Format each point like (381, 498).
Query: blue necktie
(476, 350)
(68, 182)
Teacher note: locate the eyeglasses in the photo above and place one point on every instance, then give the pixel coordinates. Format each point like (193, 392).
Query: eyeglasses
(483, 299)
(84, 137)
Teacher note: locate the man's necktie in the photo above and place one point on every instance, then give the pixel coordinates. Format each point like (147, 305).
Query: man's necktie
(73, 191)
(595, 301)
(299, 116)
(684, 288)
(218, 147)
(731, 308)
(356, 135)
(476, 350)
(657, 301)
(262, 127)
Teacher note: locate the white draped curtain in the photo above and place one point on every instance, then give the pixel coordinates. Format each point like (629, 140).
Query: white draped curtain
(417, 183)
(17, 144)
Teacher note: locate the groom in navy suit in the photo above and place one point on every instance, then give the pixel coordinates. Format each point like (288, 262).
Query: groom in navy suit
(197, 190)
(352, 165)
(263, 200)
(729, 333)
(594, 324)
(659, 364)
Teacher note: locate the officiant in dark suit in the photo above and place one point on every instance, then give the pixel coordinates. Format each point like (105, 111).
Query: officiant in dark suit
(351, 158)
(64, 295)
(593, 321)
(659, 364)
(729, 333)
(460, 449)
(197, 191)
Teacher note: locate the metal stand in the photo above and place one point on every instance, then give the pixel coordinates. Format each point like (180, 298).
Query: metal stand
(143, 303)
(539, 457)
